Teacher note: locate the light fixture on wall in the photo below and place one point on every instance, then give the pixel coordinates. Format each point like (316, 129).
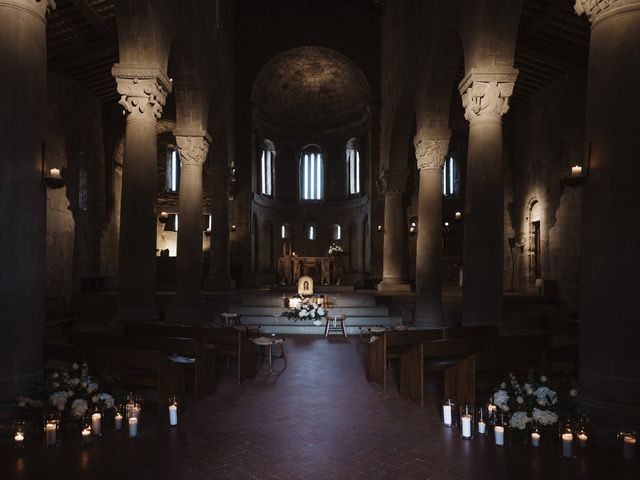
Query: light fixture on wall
(163, 217)
(413, 225)
(457, 216)
(233, 228)
(380, 228)
(53, 178)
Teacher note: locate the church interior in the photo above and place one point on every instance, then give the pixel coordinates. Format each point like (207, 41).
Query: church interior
(319, 239)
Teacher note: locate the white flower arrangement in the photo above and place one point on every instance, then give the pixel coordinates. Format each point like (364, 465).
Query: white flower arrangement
(79, 408)
(306, 310)
(519, 420)
(544, 417)
(335, 249)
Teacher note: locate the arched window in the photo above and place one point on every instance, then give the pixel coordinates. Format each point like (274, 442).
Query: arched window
(337, 232)
(266, 167)
(312, 232)
(450, 180)
(311, 171)
(284, 231)
(173, 170)
(353, 167)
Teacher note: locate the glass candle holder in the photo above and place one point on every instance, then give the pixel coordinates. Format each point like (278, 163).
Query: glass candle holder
(629, 441)
(466, 421)
(96, 422)
(482, 422)
(492, 414)
(133, 427)
(502, 430)
(118, 417)
(567, 437)
(536, 436)
(173, 410)
(86, 431)
(19, 435)
(51, 430)
(448, 413)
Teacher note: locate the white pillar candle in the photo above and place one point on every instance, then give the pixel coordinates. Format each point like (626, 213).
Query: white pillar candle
(582, 439)
(133, 427)
(499, 434)
(482, 427)
(118, 419)
(86, 435)
(96, 423)
(535, 439)
(446, 415)
(576, 171)
(567, 445)
(466, 426)
(55, 172)
(50, 433)
(173, 415)
(628, 450)
(19, 439)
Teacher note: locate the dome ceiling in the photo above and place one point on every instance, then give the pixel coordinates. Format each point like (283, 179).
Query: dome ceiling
(310, 88)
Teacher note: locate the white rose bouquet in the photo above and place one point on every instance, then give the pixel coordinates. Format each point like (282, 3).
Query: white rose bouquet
(306, 310)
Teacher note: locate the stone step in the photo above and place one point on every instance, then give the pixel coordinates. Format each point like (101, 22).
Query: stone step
(305, 330)
(352, 321)
(277, 311)
(340, 300)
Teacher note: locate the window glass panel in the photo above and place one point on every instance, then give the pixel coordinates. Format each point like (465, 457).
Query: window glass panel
(173, 171)
(311, 175)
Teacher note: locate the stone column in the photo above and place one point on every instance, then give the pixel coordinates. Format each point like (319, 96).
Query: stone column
(143, 91)
(189, 305)
(393, 260)
(23, 81)
(485, 97)
(431, 148)
(219, 276)
(609, 328)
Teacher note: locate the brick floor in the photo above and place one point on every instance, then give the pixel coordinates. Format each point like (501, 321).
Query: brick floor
(318, 419)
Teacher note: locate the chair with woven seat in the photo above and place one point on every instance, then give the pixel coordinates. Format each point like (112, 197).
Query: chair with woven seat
(267, 343)
(332, 325)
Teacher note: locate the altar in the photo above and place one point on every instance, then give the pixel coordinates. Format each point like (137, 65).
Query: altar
(325, 270)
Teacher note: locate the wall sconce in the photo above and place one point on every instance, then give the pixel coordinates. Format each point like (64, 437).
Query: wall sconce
(457, 216)
(54, 180)
(163, 217)
(380, 228)
(233, 228)
(413, 225)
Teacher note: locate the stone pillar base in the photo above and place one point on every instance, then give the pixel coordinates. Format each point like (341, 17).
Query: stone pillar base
(136, 314)
(428, 317)
(392, 285)
(188, 311)
(219, 283)
(608, 417)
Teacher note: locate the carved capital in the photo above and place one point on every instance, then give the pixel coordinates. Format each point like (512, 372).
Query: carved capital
(41, 8)
(143, 90)
(392, 183)
(485, 93)
(431, 148)
(193, 149)
(596, 10)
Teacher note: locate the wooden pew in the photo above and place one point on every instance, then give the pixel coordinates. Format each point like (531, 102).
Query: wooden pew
(227, 341)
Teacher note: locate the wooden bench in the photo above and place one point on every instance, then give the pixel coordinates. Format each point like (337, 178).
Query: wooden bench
(229, 342)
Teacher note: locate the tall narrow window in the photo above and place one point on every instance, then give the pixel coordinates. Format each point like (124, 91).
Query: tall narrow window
(173, 170)
(311, 174)
(353, 167)
(450, 177)
(266, 167)
(337, 232)
(284, 231)
(311, 232)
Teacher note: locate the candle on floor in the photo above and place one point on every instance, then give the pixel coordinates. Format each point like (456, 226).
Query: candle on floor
(576, 171)
(499, 435)
(86, 435)
(466, 426)
(567, 445)
(482, 428)
(535, 439)
(133, 427)
(118, 420)
(582, 439)
(50, 434)
(446, 415)
(96, 423)
(173, 415)
(629, 446)
(19, 440)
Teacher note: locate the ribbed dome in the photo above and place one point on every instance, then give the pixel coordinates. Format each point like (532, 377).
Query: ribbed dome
(310, 88)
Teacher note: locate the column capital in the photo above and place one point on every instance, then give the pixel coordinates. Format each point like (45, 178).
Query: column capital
(193, 149)
(143, 89)
(392, 182)
(597, 10)
(431, 147)
(485, 92)
(40, 8)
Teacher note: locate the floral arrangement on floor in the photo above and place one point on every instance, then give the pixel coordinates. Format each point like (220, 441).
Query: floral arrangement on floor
(305, 309)
(335, 250)
(72, 393)
(531, 400)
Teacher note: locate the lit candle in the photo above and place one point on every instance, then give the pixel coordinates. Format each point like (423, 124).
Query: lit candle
(499, 434)
(173, 415)
(96, 423)
(118, 420)
(457, 215)
(576, 171)
(466, 426)
(535, 439)
(133, 427)
(628, 450)
(86, 435)
(50, 433)
(567, 445)
(19, 439)
(582, 439)
(446, 415)
(482, 427)
(55, 173)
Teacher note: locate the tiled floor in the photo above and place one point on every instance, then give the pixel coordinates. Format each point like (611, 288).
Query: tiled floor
(318, 419)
